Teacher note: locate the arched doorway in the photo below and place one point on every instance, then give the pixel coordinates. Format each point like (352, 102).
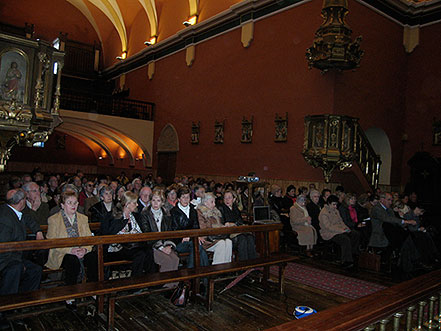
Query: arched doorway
(168, 148)
(380, 142)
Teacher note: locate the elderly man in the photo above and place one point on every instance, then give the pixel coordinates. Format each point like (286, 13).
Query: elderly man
(145, 194)
(388, 230)
(17, 273)
(34, 206)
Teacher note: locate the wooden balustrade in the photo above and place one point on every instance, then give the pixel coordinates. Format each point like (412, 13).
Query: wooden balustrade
(382, 310)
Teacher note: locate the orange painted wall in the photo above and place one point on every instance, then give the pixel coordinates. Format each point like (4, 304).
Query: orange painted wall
(45, 15)
(227, 81)
(423, 95)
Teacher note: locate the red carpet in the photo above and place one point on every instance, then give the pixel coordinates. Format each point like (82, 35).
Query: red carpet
(347, 287)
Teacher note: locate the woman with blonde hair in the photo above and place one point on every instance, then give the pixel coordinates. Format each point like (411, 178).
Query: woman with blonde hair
(157, 220)
(125, 220)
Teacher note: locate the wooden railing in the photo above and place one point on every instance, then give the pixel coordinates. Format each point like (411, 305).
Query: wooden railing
(106, 105)
(368, 161)
(392, 309)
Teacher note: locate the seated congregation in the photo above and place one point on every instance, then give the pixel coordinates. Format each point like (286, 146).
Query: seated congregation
(386, 224)
(68, 206)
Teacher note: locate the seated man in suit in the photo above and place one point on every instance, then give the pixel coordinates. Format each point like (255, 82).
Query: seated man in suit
(389, 230)
(16, 273)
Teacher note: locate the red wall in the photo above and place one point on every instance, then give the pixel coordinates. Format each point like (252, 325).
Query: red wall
(423, 95)
(227, 81)
(374, 93)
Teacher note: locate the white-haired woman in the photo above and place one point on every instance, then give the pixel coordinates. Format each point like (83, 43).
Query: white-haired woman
(210, 217)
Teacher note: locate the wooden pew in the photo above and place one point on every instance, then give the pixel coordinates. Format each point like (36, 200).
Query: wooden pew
(113, 287)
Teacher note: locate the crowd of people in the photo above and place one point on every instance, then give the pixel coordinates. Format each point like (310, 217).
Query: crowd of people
(389, 224)
(68, 204)
(382, 221)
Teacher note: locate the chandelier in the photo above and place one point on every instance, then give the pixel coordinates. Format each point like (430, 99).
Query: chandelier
(332, 46)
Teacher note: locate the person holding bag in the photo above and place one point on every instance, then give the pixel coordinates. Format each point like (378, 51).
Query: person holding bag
(156, 219)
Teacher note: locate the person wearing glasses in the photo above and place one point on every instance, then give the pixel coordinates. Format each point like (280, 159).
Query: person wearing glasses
(76, 261)
(86, 192)
(334, 229)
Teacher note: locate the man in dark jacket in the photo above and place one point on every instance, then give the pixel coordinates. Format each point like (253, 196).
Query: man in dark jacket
(17, 274)
(185, 217)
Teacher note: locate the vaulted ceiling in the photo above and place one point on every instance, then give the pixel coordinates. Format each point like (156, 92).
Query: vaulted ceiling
(124, 25)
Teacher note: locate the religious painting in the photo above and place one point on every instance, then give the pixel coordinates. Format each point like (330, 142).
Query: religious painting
(281, 125)
(13, 75)
(247, 131)
(436, 132)
(218, 132)
(195, 127)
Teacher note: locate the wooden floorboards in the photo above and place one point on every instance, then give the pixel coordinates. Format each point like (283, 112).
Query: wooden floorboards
(246, 306)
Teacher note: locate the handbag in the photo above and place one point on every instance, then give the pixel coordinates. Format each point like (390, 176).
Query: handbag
(369, 260)
(180, 295)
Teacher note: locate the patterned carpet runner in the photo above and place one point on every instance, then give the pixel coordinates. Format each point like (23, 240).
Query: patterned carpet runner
(347, 287)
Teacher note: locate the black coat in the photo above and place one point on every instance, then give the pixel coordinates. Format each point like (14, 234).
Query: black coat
(113, 225)
(151, 226)
(12, 229)
(180, 221)
(99, 213)
(230, 215)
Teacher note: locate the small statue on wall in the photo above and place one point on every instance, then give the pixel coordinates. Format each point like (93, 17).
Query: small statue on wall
(281, 128)
(247, 131)
(219, 132)
(195, 129)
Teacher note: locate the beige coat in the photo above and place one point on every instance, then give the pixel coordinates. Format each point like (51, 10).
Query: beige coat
(306, 233)
(57, 229)
(331, 223)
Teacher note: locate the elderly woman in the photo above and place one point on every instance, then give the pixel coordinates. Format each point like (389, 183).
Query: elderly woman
(126, 221)
(210, 217)
(68, 223)
(301, 223)
(157, 220)
(333, 228)
(103, 209)
(172, 198)
(244, 243)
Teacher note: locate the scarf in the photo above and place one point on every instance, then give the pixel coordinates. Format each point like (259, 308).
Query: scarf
(71, 228)
(186, 210)
(157, 215)
(305, 212)
(353, 214)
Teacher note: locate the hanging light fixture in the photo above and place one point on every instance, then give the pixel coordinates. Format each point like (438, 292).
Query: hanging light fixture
(333, 47)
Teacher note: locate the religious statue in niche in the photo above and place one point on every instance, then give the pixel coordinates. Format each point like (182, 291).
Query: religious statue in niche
(247, 130)
(13, 75)
(195, 127)
(436, 132)
(281, 128)
(218, 132)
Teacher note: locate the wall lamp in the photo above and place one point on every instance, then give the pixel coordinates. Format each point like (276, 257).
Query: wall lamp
(151, 41)
(123, 56)
(191, 20)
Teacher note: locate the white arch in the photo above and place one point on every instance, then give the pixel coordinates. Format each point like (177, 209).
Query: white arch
(381, 144)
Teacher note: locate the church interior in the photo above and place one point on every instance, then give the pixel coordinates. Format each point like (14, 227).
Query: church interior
(316, 94)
